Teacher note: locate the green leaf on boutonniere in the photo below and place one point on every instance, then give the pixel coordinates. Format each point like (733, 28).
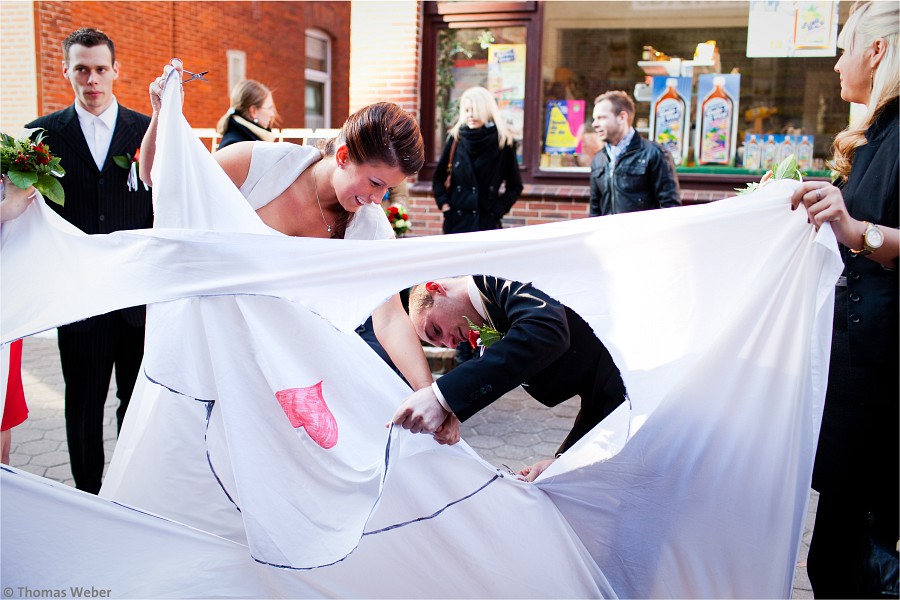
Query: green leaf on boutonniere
(123, 160)
(487, 336)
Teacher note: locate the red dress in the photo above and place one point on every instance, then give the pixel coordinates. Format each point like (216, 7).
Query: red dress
(14, 410)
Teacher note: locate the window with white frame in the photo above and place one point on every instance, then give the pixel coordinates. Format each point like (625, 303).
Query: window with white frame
(237, 67)
(318, 79)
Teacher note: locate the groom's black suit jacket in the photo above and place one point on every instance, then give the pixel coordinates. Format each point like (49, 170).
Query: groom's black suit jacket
(546, 347)
(98, 200)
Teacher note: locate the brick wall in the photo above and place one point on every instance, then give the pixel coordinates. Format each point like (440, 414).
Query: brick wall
(148, 34)
(538, 204)
(18, 94)
(386, 45)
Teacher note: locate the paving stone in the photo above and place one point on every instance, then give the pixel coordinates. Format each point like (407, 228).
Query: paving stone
(51, 459)
(38, 447)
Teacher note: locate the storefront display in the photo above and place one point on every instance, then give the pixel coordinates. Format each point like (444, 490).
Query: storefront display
(575, 51)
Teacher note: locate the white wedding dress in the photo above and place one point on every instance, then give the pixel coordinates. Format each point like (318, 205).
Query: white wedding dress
(261, 436)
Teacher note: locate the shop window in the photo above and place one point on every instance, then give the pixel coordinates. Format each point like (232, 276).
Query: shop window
(318, 80)
(237, 67)
(593, 47)
(490, 57)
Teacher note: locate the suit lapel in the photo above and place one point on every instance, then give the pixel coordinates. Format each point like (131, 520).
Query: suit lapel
(70, 128)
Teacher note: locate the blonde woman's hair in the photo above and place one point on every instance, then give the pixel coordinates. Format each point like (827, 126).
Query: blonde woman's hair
(486, 109)
(244, 95)
(869, 20)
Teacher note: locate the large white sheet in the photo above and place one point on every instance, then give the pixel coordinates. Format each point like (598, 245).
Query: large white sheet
(718, 317)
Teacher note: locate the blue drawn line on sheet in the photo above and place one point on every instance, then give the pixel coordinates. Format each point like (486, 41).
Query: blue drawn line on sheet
(387, 460)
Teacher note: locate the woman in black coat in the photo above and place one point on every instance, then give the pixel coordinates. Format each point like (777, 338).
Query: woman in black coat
(856, 468)
(251, 116)
(484, 163)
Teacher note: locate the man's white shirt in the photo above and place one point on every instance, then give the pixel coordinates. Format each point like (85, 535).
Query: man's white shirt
(98, 130)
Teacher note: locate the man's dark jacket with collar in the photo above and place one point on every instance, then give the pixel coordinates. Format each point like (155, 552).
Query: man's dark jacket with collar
(546, 347)
(643, 178)
(98, 200)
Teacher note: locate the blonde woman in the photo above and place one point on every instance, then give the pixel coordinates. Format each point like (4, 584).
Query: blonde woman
(467, 186)
(251, 116)
(856, 468)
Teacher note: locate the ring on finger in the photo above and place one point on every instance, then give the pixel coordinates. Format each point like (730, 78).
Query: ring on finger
(818, 196)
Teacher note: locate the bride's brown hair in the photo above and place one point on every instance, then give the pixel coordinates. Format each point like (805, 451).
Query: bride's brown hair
(382, 132)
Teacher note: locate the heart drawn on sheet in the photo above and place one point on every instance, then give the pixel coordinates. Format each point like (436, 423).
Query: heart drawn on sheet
(305, 407)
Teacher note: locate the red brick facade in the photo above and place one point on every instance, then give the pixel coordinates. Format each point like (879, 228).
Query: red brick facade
(148, 34)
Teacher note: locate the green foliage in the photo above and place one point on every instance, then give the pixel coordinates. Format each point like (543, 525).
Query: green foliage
(786, 169)
(29, 162)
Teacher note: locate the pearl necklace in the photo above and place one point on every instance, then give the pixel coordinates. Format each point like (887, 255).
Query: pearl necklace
(318, 202)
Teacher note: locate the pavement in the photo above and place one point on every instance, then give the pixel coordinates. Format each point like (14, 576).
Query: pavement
(515, 431)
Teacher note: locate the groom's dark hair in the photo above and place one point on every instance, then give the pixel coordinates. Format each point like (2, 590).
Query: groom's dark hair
(87, 37)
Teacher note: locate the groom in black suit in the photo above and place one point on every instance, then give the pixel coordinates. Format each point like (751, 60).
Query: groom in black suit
(86, 136)
(544, 346)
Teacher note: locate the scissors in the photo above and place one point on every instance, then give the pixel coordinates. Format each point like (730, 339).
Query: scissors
(194, 76)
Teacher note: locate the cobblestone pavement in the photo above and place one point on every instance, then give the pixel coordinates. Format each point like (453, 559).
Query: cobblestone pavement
(515, 431)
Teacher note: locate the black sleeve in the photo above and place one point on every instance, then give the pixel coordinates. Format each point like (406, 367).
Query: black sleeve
(512, 177)
(594, 207)
(536, 333)
(665, 181)
(439, 179)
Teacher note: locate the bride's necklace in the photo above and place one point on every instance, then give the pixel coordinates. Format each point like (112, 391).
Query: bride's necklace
(316, 188)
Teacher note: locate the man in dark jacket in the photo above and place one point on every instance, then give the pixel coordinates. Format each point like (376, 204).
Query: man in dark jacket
(629, 173)
(87, 136)
(543, 345)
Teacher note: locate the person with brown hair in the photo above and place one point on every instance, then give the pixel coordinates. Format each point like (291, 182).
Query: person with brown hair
(87, 137)
(251, 116)
(629, 173)
(336, 193)
(856, 468)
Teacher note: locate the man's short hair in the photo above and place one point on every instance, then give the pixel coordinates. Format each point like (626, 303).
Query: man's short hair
(87, 37)
(419, 299)
(621, 102)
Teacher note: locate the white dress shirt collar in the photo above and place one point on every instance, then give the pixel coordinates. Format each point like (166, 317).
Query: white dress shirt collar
(475, 297)
(98, 130)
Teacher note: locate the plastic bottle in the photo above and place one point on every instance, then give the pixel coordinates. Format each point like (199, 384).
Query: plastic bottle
(752, 153)
(668, 125)
(716, 131)
(804, 154)
(785, 148)
(770, 153)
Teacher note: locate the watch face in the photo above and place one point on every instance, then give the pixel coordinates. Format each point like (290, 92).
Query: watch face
(874, 237)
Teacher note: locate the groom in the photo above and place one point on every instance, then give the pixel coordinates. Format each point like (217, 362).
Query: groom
(87, 136)
(543, 345)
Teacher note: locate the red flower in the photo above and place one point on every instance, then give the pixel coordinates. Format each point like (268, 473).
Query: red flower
(394, 211)
(137, 155)
(474, 336)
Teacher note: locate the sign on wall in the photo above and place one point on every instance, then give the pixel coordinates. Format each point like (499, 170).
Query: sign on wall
(792, 28)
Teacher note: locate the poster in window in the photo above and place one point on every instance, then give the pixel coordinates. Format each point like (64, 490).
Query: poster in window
(670, 115)
(718, 99)
(506, 80)
(793, 28)
(564, 127)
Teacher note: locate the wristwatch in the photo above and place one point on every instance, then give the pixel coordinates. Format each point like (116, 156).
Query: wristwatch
(873, 238)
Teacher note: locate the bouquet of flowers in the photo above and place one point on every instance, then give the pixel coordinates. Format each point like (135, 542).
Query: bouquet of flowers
(399, 218)
(28, 162)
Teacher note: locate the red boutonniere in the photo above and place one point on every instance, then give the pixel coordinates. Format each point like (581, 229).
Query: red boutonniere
(482, 335)
(132, 164)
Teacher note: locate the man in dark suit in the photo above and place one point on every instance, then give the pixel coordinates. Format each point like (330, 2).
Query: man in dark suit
(86, 136)
(543, 345)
